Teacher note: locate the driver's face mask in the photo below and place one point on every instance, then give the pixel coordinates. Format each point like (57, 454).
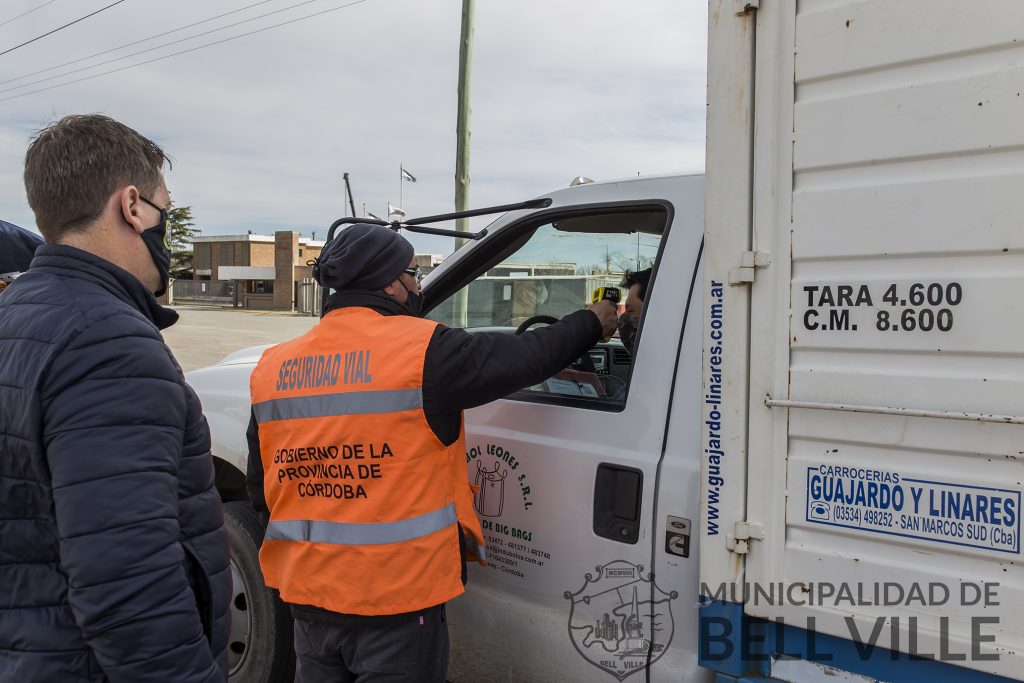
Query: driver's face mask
(627, 330)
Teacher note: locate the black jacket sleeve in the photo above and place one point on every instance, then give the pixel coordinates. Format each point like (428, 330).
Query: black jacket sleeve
(464, 370)
(114, 419)
(254, 472)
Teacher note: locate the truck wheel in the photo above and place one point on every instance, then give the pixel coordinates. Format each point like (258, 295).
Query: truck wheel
(260, 648)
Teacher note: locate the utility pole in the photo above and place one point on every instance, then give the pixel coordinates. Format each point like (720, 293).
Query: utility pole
(348, 191)
(462, 136)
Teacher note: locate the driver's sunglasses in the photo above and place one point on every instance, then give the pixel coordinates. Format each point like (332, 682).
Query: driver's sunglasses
(415, 272)
(164, 215)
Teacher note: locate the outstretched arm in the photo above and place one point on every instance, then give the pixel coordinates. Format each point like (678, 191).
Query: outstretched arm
(465, 370)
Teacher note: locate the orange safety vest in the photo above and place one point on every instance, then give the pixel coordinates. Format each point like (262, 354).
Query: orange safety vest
(365, 501)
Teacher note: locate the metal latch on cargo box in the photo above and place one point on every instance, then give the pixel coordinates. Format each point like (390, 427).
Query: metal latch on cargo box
(743, 532)
(747, 6)
(749, 262)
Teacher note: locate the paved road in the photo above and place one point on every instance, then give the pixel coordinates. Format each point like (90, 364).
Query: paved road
(202, 336)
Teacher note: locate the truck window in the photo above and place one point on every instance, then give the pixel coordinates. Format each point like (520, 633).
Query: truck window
(553, 274)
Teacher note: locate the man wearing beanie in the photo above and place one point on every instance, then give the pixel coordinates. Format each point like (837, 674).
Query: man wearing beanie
(357, 460)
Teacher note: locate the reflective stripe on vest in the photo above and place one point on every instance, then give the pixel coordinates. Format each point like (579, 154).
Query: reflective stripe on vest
(474, 549)
(339, 533)
(343, 403)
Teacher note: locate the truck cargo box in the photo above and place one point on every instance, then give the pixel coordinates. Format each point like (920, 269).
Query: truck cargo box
(863, 446)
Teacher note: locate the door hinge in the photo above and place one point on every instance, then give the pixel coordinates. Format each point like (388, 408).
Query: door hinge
(743, 274)
(744, 7)
(743, 532)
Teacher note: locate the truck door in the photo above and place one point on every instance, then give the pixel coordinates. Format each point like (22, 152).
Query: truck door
(567, 469)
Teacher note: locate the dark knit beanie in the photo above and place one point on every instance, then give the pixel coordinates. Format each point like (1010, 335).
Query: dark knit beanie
(363, 256)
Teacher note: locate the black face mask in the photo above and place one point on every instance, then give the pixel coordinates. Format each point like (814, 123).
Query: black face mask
(155, 239)
(414, 302)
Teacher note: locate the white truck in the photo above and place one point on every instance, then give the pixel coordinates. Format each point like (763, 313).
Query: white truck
(814, 469)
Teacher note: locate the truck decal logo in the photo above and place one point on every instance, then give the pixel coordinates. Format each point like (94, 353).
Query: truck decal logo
(885, 502)
(489, 482)
(490, 496)
(620, 620)
(500, 482)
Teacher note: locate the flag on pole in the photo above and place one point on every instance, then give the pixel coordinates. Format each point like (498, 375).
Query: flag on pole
(408, 176)
(370, 214)
(395, 211)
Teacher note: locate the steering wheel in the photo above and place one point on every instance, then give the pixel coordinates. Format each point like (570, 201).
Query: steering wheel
(584, 362)
(530, 322)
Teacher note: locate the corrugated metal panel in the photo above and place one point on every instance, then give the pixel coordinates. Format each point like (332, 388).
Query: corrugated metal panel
(904, 144)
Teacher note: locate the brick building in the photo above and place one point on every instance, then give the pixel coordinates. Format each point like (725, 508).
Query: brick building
(266, 269)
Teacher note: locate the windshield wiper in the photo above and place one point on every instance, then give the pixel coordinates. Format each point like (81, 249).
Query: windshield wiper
(417, 225)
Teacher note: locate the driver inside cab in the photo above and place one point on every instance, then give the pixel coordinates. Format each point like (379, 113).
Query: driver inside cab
(636, 286)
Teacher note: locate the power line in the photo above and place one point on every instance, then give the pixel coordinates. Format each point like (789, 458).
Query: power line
(135, 42)
(158, 47)
(28, 12)
(181, 52)
(71, 23)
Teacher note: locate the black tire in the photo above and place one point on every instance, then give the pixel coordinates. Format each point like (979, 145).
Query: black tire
(260, 647)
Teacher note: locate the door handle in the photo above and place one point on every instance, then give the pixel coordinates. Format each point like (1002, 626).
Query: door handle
(617, 492)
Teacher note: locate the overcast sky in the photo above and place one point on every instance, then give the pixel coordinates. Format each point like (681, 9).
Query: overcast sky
(261, 128)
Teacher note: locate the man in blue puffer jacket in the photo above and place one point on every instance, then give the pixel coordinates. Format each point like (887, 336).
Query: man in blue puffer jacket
(113, 555)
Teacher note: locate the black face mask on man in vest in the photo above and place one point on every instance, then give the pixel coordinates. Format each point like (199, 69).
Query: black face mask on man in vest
(413, 302)
(156, 242)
